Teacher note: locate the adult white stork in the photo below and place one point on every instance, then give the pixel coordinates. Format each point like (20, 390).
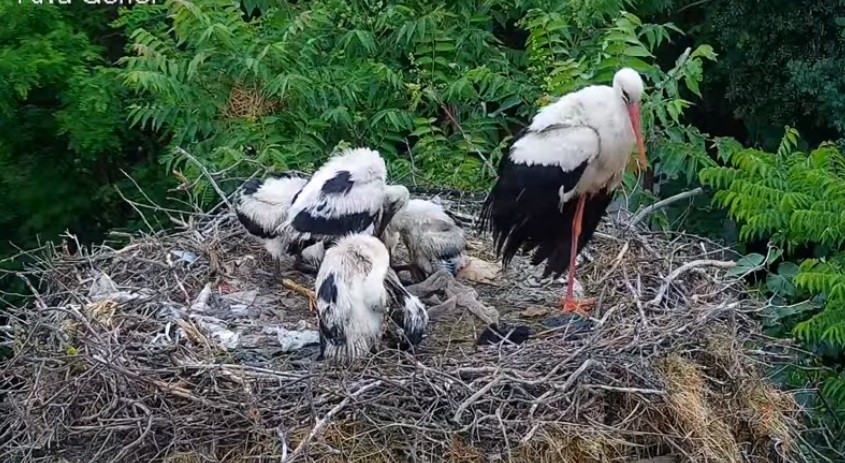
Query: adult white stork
(355, 289)
(262, 206)
(558, 178)
(433, 239)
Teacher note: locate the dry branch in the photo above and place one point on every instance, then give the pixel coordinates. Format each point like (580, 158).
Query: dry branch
(321, 423)
(648, 210)
(661, 292)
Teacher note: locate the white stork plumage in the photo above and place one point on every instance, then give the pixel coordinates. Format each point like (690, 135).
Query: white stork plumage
(558, 178)
(355, 288)
(433, 239)
(261, 208)
(346, 195)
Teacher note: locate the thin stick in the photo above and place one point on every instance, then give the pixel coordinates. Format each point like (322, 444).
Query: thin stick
(575, 374)
(616, 262)
(321, 423)
(457, 417)
(686, 268)
(629, 390)
(639, 216)
(299, 289)
(207, 174)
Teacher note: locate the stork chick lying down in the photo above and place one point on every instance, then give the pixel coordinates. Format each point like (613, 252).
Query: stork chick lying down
(433, 239)
(355, 287)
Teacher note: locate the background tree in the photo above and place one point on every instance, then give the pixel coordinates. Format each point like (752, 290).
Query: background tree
(438, 87)
(780, 64)
(65, 137)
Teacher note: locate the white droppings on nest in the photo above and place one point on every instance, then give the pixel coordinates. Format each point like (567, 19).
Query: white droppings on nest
(104, 289)
(292, 340)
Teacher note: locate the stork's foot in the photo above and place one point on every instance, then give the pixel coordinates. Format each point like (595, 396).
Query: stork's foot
(299, 289)
(579, 306)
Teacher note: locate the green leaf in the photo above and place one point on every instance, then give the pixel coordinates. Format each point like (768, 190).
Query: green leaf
(747, 264)
(636, 50)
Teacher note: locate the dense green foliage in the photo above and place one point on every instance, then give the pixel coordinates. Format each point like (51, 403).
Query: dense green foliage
(798, 82)
(437, 87)
(64, 137)
(796, 200)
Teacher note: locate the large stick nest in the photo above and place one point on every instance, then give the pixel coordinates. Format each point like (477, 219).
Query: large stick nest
(170, 349)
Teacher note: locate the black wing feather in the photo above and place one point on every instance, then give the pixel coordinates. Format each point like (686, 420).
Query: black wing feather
(336, 333)
(328, 290)
(523, 212)
(557, 252)
(341, 225)
(340, 184)
(253, 228)
(523, 209)
(251, 186)
(399, 296)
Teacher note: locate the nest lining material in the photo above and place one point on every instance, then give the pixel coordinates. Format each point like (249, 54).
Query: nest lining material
(171, 349)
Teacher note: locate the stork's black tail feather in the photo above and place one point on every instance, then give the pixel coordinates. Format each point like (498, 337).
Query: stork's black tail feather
(547, 233)
(544, 229)
(556, 252)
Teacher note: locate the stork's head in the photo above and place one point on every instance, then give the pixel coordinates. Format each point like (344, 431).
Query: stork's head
(629, 85)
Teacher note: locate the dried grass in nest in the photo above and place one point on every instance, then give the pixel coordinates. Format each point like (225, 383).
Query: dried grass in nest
(248, 102)
(669, 366)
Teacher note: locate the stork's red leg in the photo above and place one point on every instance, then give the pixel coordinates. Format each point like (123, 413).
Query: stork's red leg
(569, 303)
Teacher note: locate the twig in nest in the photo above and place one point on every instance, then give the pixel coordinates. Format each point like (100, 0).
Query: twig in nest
(303, 291)
(207, 174)
(575, 374)
(321, 423)
(615, 265)
(686, 268)
(547, 391)
(460, 411)
(629, 390)
(640, 216)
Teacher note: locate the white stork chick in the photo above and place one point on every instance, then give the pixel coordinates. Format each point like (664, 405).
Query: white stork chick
(558, 178)
(433, 239)
(390, 238)
(346, 195)
(262, 207)
(355, 287)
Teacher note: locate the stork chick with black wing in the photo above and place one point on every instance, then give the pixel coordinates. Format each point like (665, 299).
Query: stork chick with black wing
(346, 195)
(355, 289)
(433, 239)
(558, 178)
(262, 207)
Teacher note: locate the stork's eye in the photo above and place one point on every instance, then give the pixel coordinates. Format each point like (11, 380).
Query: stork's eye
(625, 97)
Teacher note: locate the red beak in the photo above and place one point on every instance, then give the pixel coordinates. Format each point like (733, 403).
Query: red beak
(634, 114)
